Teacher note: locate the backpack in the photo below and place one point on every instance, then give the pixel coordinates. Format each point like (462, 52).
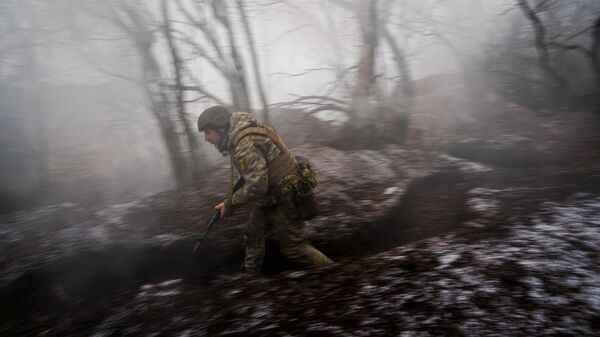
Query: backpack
(296, 195)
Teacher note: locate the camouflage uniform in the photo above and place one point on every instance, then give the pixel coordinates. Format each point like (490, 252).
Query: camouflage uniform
(273, 212)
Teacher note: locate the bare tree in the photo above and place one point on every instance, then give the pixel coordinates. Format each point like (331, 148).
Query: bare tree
(254, 54)
(561, 77)
(403, 68)
(556, 81)
(177, 65)
(222, 13)
(133, 21)
(365, 77)
(368, 17)
(591, 53)
(210, 21)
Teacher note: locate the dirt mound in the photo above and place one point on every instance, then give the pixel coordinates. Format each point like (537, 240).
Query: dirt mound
(426, 244)
(373, 200)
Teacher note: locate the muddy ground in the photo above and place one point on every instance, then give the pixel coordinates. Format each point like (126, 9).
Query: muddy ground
(474, 231)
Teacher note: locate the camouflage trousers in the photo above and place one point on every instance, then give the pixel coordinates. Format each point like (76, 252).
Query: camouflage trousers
(289, 233)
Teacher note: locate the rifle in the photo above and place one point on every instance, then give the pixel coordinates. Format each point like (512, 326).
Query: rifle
(217, 216)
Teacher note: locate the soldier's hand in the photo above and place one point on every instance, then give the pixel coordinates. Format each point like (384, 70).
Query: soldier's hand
(221, 208)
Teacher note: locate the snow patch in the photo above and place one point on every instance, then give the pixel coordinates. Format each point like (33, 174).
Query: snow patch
(114, 214)
(446, 260)
(163, 289)
(167, 239)
(483, 206)
(296, 274)
(334, 117)
(392, 190)
(465, 166)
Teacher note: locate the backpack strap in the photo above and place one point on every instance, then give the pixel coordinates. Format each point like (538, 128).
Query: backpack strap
(279, 167)
(254, 130)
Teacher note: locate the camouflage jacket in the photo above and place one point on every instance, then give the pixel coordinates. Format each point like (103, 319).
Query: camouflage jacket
(251, 157)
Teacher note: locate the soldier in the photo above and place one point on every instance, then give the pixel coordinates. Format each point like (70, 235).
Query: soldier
(271, 181)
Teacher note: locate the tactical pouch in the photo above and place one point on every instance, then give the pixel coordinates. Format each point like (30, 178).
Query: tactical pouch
(306, 202)
(306, 172)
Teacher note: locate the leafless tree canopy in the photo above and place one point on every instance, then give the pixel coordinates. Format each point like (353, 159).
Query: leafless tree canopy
(152, 66)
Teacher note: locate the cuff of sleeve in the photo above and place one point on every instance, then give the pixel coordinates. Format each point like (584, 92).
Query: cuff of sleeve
(228, 207)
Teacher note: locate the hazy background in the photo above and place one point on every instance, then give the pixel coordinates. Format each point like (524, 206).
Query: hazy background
(96, 106)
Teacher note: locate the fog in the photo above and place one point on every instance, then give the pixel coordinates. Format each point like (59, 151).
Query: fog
(455, 144)
(79, 113)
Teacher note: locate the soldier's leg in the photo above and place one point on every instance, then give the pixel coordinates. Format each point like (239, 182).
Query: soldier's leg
(255, 234)
(291, 235)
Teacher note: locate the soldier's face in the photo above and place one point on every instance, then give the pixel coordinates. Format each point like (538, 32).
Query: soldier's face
(213, 136)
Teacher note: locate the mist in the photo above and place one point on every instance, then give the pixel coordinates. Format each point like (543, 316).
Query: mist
(77, 124)
(454, 145)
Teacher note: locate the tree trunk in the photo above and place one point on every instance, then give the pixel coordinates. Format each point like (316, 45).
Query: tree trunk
(192, 138)
(142, 39)
(556, 84)
(403, 71)
(257, 72)
(160, 109)
(365, 80)
(238, 80)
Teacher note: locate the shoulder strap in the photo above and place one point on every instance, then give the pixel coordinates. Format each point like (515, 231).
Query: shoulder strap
(259, 130)
(280, 166)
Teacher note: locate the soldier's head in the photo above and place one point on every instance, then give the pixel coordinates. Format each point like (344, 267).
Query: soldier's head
(214, 122)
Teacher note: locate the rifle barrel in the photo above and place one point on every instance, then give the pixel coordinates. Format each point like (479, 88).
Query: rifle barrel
(213, 220)
(217, 215)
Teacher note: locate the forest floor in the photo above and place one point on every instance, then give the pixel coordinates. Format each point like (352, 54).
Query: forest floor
(488, 226)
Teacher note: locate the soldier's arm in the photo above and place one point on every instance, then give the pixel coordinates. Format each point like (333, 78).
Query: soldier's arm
(252, 165)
